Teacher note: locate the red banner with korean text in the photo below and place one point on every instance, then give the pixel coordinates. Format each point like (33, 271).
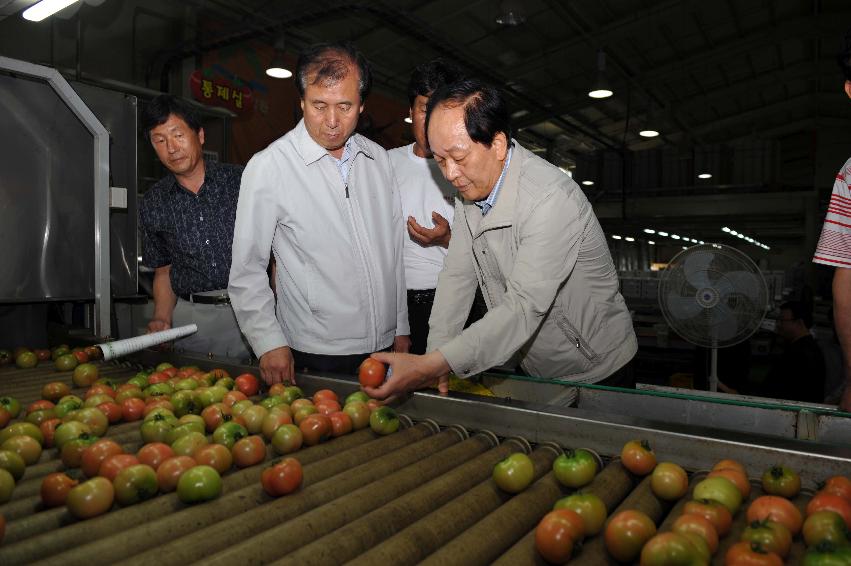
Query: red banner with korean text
(219, 91)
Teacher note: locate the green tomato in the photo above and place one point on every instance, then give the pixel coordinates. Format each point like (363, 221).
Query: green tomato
(140, 380)
(7, 486)
(198, 484)
(185, 402)
(719, 489)
(184, 429)
(162, 366)
(162, 414)
(228, 433)
(291, 393)
(384, 420)
(157, 429)
(226, 382)
(13, 463)
(588, 506)
(356, 396)
(515, 473)
(271, 401)
(827, 554)
(189, 443)
(69, 431)
(287, 438)
(575, 468)
(21, 428)
(186, 384)
(822, 526)
(159, 390)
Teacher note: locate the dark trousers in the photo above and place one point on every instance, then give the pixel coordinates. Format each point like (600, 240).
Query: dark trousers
(624, 377)
(419, 311)
(346, 365)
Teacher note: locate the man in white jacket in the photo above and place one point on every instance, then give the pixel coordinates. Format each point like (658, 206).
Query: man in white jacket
(323, 200)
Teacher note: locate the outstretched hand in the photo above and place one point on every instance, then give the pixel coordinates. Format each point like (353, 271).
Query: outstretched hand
(410, 373)
(437, 236)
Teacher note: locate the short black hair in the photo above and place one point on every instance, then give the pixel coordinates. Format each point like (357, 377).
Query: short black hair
(799, 312)
(844, 56)
(485, 108)
(331, 62)
(159, 109)
(428, 77)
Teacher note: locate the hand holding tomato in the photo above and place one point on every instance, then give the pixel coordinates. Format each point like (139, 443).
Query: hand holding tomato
(277, 366)
(409, 373)
(371, 373)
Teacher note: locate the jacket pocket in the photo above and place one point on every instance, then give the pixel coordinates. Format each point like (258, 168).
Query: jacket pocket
(574, 336)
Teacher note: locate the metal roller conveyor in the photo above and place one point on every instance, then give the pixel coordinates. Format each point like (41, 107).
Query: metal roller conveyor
(423, 493)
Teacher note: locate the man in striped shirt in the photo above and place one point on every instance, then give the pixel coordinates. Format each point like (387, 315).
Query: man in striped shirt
(834, 247)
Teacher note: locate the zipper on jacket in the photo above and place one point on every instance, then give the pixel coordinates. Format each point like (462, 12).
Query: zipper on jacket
(363, 257)
(485, 291)
(574, 337)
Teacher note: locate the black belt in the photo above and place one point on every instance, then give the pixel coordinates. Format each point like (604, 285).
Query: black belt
(206, 299)
(421, 296)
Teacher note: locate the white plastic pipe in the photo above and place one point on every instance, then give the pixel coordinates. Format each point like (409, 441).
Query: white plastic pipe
(112, 350)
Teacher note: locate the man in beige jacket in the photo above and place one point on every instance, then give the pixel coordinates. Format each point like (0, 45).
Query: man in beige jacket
(525, 233)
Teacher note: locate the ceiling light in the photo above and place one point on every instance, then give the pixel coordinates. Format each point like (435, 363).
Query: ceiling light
(615, 237)
(701, 242)
(46, 8)
(600, 87)
(511, 13)
(651, 242)
(648, 133)
(629, 239)
(705, 176)
(587, 183)
(725, 229)
(674, 236)
(663, 233)
(685, 247)
(649, 231)
(408, 120)
(277, 68)
(733, 233)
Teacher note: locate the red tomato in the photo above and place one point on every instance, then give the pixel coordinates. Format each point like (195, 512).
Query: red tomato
(132, 408)
(169, 472)
(325, 395)
(55, 390)
(90, 498)
(828, 502)
(233, 397)
(277, 389)
(638, 457)
(626, 534)
(739, 479)
(371, 373)
(249, 451)
(154, 403)
(100, 389)
(777, 509)
(55, 488)
(282, 478)
(2, 528)
(727, 463)
(112, 411)
(702, 527)
(326, 407)
(557, 533)
(838, 485)
(750, 554)
(341, 423)
(82, 356)
(115, 463)
(48, 429)
(153, 454)
(214, 415)
(315, 428)
(94, 455)
(5, 417)
(247, 384)
(669, 481)
(39, 405)
(158, 377)
(373, 405)
(134, 484)
(217, 456)
(715, 512)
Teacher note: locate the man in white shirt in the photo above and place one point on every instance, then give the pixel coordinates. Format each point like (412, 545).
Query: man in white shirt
(323, 200)
(427, 202)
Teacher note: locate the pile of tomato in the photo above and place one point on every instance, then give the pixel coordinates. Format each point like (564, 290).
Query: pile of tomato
(195, 426)
(693, 536)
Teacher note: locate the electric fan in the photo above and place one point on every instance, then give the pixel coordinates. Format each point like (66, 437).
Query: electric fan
(713, 296)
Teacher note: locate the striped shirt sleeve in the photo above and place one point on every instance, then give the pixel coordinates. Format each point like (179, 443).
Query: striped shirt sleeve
(834, 246)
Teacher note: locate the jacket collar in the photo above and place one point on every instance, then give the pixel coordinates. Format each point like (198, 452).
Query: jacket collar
(502, 213)
(310, 151)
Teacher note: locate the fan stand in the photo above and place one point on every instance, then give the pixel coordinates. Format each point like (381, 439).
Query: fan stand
(713, 369)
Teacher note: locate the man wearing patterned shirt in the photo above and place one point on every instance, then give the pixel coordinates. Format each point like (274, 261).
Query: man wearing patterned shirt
(834, 247)
(186, 221)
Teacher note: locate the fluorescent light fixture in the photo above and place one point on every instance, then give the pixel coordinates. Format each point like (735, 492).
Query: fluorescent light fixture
(701, 242)
(649, 231)
(615, 237)
(409, 121)
(674, 236)
(279, 73)
(600, 93)
(733, 233)
(629, 239)
(651, 242)
(600, 88)
(587, 183)
(45, 9)
(725, 229)
(648, 133)
(663, 233)
(685, 247)
(139, 258)
(705, 176)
